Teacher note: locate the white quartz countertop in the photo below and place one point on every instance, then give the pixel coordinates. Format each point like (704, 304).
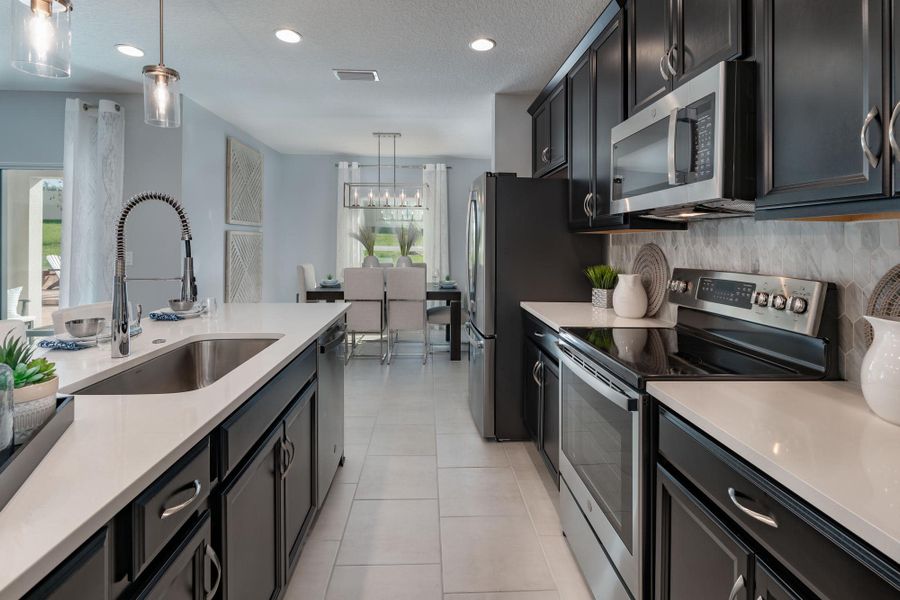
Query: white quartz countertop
(117, 445)
(818, 439)
(582, 314)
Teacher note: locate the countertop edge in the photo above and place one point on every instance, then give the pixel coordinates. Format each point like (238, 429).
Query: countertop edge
(870, 533)
(25, 580)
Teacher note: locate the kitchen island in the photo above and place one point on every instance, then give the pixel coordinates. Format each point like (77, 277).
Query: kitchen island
(117, 446)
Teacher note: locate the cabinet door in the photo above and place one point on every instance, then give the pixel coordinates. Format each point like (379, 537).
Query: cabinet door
(706, 32)
(609, 57)
(541, 145)
(252, 525)
(821, 77)
(648, 44)
(581, 129)
(299, 480)
(532, 390)
(696, 557)
(558, 127)
(769, 586)
(550, 410)
(84, 574)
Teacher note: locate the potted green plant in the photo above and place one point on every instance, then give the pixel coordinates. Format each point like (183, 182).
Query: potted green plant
(366, 236)
(406, 239)
(603, 280)
(35, 384)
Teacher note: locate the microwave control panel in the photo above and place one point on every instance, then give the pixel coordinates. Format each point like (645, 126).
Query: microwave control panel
(703, 137)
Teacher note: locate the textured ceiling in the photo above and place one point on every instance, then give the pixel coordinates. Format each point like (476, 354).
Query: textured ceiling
(433, 88)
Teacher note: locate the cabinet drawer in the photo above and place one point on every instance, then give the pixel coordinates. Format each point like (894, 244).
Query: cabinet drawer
(160, 511)
(543, 335)
(243, 429)
(823, 557)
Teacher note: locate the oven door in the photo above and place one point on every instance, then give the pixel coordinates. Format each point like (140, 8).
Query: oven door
(600, 459)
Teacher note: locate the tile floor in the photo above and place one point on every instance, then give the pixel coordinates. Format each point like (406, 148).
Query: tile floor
(425, 509)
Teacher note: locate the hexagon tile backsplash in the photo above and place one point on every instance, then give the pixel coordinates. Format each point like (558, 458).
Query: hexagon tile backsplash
(854, 256)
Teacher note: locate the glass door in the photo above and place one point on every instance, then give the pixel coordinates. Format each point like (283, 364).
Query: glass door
(31, 232)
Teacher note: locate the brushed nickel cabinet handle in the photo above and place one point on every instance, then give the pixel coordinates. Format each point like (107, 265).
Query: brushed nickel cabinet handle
(545, 154)
(770, 521)
(180, 507)
(211, 555)
(864, 143)
(891, 137)
(587, 208)
(534, 372)
(669, 61)
(662, 68)
(737, 588)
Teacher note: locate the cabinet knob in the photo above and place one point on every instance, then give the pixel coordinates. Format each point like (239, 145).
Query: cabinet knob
(545, 154)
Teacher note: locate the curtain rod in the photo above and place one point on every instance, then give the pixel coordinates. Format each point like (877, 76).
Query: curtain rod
(85, 106)
(387, 165)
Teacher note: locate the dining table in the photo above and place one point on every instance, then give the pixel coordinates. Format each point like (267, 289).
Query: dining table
(433, 292)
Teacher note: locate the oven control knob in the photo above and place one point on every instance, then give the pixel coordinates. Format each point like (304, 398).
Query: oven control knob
(678, 286)
(798, 305)
(762, 299)
(779, 302)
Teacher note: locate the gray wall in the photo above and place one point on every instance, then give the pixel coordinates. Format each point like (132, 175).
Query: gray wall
(853, 255)
(512, 134)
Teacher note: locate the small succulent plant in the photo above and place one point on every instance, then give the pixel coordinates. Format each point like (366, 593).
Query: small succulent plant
(603, 277)
(17, 355)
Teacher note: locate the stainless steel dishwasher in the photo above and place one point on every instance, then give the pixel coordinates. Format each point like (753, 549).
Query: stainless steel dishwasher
(330, 407)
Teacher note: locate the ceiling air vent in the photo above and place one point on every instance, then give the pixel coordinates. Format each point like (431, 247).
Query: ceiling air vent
(356, 74)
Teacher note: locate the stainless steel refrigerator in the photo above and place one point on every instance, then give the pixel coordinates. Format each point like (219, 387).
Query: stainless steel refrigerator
(518, 247)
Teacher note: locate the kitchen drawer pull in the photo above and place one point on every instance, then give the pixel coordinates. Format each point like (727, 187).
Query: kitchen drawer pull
(538, 334)
(891, 137)
(587, 210)
(662, 68)
(211, 555)
(737, 588)
(545, 155)
(770, 521)
(534, 372)
(669, 64)
(180, 507)
(864, 143)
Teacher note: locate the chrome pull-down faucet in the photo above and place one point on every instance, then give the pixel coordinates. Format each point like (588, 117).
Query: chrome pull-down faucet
(121, 334)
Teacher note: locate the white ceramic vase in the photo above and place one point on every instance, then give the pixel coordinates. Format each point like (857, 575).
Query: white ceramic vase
(371, 261)
(880, 375)
(630, 297)
(403, 261)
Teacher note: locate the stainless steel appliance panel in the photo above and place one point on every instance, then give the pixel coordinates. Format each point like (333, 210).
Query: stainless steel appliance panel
(482, 359)
(330, 407)
(481, 246)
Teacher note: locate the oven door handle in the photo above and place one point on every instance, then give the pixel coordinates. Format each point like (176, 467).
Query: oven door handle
(600, 386)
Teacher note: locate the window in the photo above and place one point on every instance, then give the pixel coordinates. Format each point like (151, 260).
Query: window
(31, 231)
(387, 223)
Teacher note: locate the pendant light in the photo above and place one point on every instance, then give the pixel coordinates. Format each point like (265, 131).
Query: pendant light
(162, 91)
(42, 37)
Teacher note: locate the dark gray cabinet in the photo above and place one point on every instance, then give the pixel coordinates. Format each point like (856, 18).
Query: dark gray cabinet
(550, 412)
(532, 390)
(549, 133)
(697, 557)
(85, 574)
(251, 511)
(769, 586)
(540, 398)
(299, 472)
(670, 41)
(822, 86)
(581, 139)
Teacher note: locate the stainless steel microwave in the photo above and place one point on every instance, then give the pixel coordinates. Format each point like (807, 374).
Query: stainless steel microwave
(691, 154)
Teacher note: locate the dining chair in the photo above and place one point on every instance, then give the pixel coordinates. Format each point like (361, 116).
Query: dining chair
(309, 274)
(406, 306)
(364, 290)
(83, 311)
(302, 285)
(13, 301)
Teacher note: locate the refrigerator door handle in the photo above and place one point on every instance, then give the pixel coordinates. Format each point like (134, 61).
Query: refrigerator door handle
(472, 249)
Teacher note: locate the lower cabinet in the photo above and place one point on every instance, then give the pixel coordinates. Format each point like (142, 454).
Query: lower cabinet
(299, 476)
(540, 391)
(691, 542)
(550, 410)
(85, 574)
(770, 587)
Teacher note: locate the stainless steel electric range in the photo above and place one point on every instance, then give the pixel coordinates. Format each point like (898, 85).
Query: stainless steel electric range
(730, 326)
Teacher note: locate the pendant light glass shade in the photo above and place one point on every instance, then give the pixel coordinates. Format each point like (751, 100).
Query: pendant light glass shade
(42, 37)
(162, 96)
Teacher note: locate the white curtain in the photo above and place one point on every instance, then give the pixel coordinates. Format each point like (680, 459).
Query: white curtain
(437, 223)
(93, 173)
(349, 252)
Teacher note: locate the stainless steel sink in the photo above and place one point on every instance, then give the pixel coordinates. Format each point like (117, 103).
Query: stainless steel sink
(189, 367)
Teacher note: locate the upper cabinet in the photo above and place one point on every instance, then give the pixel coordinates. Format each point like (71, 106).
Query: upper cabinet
(825, 128)
(549, 133)
(670, 41)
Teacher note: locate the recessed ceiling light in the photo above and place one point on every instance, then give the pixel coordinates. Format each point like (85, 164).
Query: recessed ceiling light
(483, 44)
(288, 35)
(129, 50)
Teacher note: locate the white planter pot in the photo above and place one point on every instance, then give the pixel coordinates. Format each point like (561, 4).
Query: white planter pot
(371, 261)
(630, 297)
(403, 261)
(601, 298)
(880, 374)
(33, 405)
(30, 393)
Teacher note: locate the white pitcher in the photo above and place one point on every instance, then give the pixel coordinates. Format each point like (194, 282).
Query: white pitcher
(880, 376)
(630, 297)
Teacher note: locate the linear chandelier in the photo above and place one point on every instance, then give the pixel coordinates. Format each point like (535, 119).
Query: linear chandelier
(382, 194)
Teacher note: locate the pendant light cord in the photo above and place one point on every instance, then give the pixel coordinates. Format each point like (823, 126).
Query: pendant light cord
(161, 61)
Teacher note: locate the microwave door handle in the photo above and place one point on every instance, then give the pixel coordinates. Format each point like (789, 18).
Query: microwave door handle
(600, 386)
(672, 143)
